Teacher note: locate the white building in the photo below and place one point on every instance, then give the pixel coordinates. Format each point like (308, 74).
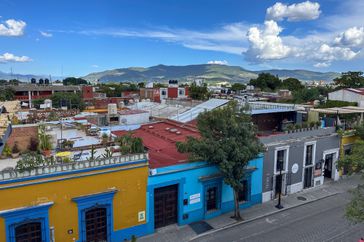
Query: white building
(349, 95)
(129, 117)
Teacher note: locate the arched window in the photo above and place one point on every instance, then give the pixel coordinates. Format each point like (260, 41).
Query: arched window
(96, 224)
(29, 232)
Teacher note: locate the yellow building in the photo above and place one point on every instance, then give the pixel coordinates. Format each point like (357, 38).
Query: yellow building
(347, 141)
(82, 201)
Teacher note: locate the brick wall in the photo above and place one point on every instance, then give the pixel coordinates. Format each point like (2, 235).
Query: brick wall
(22, 135)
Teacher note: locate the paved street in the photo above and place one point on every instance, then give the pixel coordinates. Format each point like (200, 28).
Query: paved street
(322, 220)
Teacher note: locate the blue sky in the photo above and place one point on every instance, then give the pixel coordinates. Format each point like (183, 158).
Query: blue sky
(79, 37)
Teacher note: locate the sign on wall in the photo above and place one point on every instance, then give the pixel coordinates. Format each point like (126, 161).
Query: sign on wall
(141, 216)
(295, 168)
(195, 198)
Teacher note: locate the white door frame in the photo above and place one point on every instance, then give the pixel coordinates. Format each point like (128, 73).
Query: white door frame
(334, 172)
(313, 161)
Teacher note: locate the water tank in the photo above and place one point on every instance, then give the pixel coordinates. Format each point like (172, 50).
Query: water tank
(41, 81)
(112, 109)
(46, 81)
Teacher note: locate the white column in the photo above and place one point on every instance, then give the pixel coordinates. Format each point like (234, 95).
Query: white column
(30, 98)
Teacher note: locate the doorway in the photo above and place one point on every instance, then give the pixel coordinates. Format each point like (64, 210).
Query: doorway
(279, 184)
(96, 224)
(329, 158)
(165, 206)
(308, 178)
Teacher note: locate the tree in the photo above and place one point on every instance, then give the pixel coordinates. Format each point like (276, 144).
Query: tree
(354, 163)
(237, 87)
(70, 100)
(198, 92)
(306, 95)
(6, 93)
(266, 82)
(350, 79)
(141, 84)
(228, 140)
(130, 144)
(292, 84)
(74, 81)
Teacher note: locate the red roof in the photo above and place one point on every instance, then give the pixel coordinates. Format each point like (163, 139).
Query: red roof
(160, 138)
(356, 90)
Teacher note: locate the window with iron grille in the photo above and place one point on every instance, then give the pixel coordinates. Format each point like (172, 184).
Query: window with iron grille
(29, 232)
(96, 224)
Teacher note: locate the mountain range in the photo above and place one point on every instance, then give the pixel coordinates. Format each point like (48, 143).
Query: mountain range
(208, 72)
(163, 73)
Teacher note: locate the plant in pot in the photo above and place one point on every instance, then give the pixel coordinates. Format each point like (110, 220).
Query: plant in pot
(6, 152)
(104, 138)
(312, 124)
(318, 124)
(290, 128)
(45, 144)
(15, 151)
(304, 126)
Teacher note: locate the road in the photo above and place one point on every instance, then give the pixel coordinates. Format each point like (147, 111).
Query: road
(322, 220)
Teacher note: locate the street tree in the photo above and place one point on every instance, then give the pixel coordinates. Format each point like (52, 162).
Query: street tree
(354, 163)
(350, 79)
(266, 82)
(228, 140)
(237, 87)
(292, 84)
(198, 92)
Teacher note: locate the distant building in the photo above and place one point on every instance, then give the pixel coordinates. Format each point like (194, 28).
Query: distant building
(349, 95)
(173, 91)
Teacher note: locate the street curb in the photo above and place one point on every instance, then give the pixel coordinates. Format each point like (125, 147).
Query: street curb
(258, 217)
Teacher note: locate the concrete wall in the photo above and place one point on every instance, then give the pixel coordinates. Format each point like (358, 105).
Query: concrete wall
(324, 139)
(138, 118)
(345, 95)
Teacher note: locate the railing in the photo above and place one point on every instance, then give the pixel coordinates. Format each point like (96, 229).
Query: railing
(71, 166)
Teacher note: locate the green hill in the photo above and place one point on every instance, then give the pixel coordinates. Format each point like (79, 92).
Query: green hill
(208, 72)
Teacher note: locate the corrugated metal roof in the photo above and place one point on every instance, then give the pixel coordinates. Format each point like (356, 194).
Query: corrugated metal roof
(195, 111)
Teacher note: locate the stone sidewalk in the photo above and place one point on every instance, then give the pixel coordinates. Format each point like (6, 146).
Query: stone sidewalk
(186, 233)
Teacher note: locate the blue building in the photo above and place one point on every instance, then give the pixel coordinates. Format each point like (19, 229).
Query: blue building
(181, 192)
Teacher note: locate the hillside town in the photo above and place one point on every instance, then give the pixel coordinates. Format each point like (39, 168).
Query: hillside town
(114, 158)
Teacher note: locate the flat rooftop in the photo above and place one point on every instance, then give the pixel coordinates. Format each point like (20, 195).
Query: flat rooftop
(160, 138)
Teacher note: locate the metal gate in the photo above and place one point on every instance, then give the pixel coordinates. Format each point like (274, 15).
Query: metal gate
(165, 206)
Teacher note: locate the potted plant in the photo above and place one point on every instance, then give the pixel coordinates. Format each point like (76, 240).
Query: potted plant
(290, 128)
(318, 124)
(304, 126)
(15, 151)
(312, 124)
(44, 141)
(6, 152)
(297, 127)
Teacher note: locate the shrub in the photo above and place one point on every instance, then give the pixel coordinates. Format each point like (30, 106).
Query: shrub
(15, 149)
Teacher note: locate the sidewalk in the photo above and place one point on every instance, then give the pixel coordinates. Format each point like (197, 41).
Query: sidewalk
(186, 233)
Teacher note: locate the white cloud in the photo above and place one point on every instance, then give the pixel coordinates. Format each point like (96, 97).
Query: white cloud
(322, 65)
(229, 38)
(353, 37)
(12, 27)
(8, 57)
(294, 12)
(45, 34)
(266, 44)
(218, 62)
(94, 66)
(327, 54)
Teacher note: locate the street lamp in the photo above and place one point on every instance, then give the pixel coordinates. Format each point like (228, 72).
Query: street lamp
(279, 205)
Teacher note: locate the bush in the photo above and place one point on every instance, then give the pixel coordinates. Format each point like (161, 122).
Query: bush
(6, 151)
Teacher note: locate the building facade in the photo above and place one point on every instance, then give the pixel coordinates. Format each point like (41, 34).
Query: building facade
(349, 95)
(307, 159)
(100, 200)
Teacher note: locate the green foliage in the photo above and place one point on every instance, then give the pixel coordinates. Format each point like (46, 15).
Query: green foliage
(237, 87)
(6, 93)
(198, 92)
(133, 238)
(93, 152)
(266, 82)
(130, 145)
(359, 131)
(292, 84)
(44, 139)
(228, 140)
(335, 103)
(350, 79)
(74, 81)
(354, 163)
(37, 102)
(71, 100)
(306, 95)
(32, 160)
(6, 151)
(108, 153)
(115, 90)
(355, 209)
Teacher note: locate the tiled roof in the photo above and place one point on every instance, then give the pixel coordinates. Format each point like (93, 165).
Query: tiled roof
(160, 138)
